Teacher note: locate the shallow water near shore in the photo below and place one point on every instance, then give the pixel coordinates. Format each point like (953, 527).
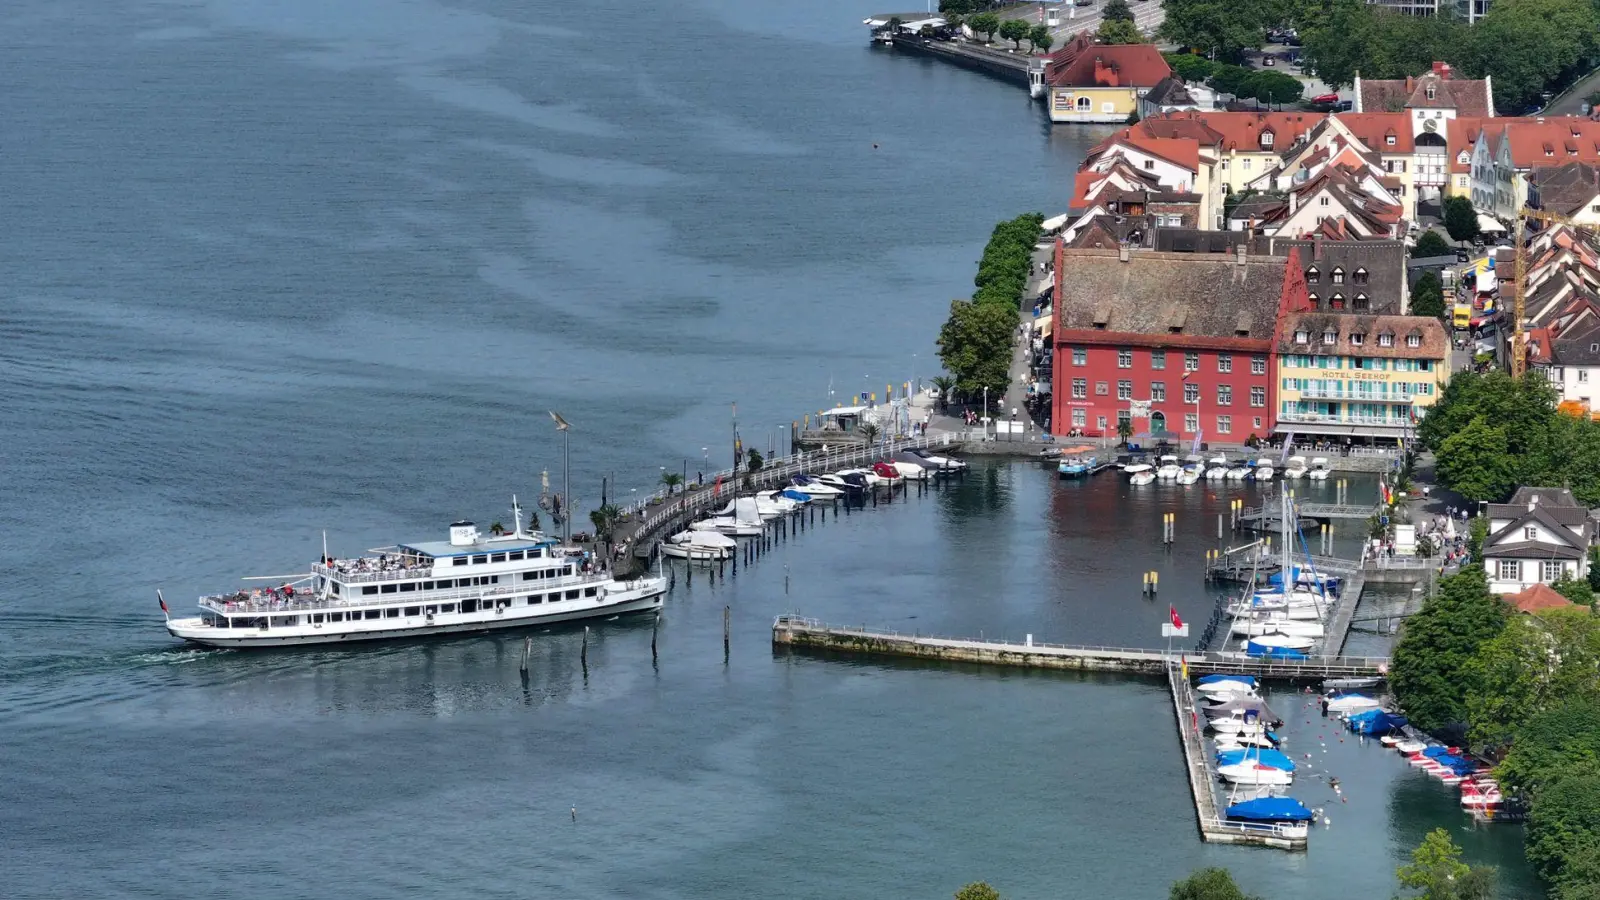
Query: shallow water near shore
(292, 266)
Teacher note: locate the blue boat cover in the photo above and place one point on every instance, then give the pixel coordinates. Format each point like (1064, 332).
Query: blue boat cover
(1271, 736)
(1375, 721)
(1255, 649)
(1273, 758)
(797, 496)
(1213, 679)
(1435, 751)
(1271, 809)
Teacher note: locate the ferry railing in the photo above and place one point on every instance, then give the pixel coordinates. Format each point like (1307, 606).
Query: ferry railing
(229, 603)
(370, 577)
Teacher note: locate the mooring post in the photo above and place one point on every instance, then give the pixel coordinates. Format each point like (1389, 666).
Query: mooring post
(654, 628)
(527, 650)
(1219, 526)
(583, 654)
(726, 616)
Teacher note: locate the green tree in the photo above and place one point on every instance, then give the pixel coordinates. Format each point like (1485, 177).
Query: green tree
(1460, 219)
(671, 480)
(1118, 31)
(1529, 45)
(985, 24)
(1275, 87)
(1189, 67)
(1476, 533)
(1435, 658)
(1594, 567)
(956, 7)
(1116, 11)
(1534, 663)
(978, 890)
(753, 460)
(1431, 244)
(1124, 430)
(869, 432)
(1564, 821)
(1223, 29)
(1015, 31)
(1541, 447)
(1427, 295)
(944, 384)
(975, 346)
(1437, 872)
(1580, 875)
(1575, 589)
(497, 529)
(1476, 462)
(1041, 39)
(1560, 740)
(604, 521)
(1208, 884)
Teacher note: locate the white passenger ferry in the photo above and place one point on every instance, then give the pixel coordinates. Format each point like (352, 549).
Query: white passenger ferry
(468, 583)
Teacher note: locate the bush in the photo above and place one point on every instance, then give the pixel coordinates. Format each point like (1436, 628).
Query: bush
(1431, 244)
(1190, 67)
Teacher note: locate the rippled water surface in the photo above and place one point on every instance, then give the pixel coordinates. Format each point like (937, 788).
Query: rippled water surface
(280, 267)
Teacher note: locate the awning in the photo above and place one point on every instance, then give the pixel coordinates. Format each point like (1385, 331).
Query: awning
(1488, 223)
(1044, 325)
(844, 411)
(1056, 223)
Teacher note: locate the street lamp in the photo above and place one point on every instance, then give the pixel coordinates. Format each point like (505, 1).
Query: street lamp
(566, 481)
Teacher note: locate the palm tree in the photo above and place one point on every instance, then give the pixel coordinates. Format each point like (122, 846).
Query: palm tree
(1124, 430)
(671, 480)
(497, 529)
(604, 521)
(870, 431)
(944, 384)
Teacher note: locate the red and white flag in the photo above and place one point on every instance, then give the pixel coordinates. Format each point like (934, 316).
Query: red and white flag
(1176, 622)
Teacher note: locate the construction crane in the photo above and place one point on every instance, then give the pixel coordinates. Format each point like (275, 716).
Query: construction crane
(1519, 350)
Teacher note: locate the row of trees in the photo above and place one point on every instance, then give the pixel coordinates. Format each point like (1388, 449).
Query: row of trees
(1240, 81)
(1014, 30)
(1491, 432)
(1528, 46)
(975, 342)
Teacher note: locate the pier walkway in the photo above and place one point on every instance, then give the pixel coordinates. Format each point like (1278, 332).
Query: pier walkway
(1268, 518)
(812, 634)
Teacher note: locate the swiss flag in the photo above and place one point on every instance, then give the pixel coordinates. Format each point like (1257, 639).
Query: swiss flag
(1176, 622)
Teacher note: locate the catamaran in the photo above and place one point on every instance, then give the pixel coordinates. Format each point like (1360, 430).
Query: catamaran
(470, 582)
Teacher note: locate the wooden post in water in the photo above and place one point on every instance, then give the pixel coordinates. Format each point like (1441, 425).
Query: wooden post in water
(1219, 526)
(527, 650)
(583, 654)
(726, 616)
(654, 628)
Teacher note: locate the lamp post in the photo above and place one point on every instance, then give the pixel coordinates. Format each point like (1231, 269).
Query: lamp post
(566, 480)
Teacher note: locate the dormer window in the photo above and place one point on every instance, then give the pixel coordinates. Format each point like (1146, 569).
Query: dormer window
(1413, 341)
(1462, 157)
(1312, 275)
(1389, 139)
(1314, 300)
(1338, 276)
(1385, 340)
(1361, 303)
(1357, 339)
(1549, 151)
(1330, 338)
(1266, 139)
(1336, 301)
(1360, 276)
(1432, 92)
(1302, 337)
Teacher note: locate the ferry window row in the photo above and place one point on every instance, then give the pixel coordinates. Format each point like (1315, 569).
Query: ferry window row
(511, 556)
(406, 587)
(395, 612)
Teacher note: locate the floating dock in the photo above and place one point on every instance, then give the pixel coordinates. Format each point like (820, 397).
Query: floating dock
(811, 634)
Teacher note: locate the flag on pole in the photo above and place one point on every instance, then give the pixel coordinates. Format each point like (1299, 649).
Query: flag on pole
(1176, 622)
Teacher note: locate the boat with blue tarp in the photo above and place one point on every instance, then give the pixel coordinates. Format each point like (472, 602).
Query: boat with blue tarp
(1274, 758)
(1271, 809)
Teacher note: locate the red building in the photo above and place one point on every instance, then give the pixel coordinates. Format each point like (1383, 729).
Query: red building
(1189, 335)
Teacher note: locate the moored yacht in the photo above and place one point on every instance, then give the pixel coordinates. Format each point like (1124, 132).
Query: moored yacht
(1217, 467)
(467, 583)
(699, 546)
(1319, 469)
(1169, 470)
(1263, 470)
(1295, 468)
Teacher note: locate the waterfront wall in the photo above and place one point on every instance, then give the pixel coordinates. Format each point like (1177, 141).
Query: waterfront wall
(994, 63)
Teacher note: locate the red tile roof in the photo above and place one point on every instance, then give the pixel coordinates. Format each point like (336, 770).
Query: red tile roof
(1374, 128)
(1236, 130)
(1466, 97)
(1553, 140)
(1087, 65)
(1537, 598)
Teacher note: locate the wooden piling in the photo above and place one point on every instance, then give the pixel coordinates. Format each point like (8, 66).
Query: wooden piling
(727, 614)
(654, 629)
(583, 654)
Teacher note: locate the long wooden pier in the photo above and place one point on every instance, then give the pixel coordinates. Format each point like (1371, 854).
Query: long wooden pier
(811, 634)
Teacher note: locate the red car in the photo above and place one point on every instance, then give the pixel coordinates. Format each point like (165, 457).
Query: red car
(1325, 98)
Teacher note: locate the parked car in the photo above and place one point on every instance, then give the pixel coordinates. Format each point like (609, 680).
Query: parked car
(1325, 98)
(1268, 60)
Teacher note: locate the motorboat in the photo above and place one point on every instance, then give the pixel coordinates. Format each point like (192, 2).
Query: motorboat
(1235, 725)
(1278, 644)
(1243, 706)
(1075, 466)
(1189, 476)
(1145, 477)
(1216, 468)
(783, 501)
(1234, 741)
(1168, 470)
(888, 473)
(1238, 473)
(1286, 816)
(929, 468)
(1274, 624)
(1407, 748)
(872, 478)
(1251, 772)
(1132, 469)
(1344, 704)
(699, 546)
(1266, 756)
(1225, 685)
(1296, 467)
(1262, 470)
(1308, 579)
(1319, 469)
(1376, 722)
(940, 462)
(1481, 793)
(745, 521)
(814, 488)
(767, 508)
(911, 471)
(1333, 685)
(842, 484)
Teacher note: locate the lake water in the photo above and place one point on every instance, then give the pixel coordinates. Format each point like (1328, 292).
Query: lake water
(280, 266)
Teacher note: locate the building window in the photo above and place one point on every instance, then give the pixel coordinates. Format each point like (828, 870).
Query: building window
(1191, 361)
(1256, 423)
(1553, 570)
(1258, 365)
(1080, 356)
(1385, 340)
(1224, 424)
(1361, 303)
(1080, 417)
(1124, 358)
(1360, 276)
(1101, 388)
(1330, 337)
(1336, 301)
(1530, 533)
(1224, 362)
(1224, 395)
(1191, 394)
(1191, 422)
(1302, 337)
(1158, 359)
(1357, 339)
(1316, 302)
(1080, 388)
(1322, 201)
(1583, 375)
(1338, 276)
(1432, 91)
(1266, 140)
(1085, 104)
(1124, 390)
(1312, 275)
(1100, 421)
(1258, 396)
(1413, 340)
(1158, 391)
(1224, 165)
(1245, 165)
(1389, 139)
(1510, 570)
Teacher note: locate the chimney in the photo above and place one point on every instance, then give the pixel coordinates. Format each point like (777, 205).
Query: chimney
(1239, 255)
(1316, 248)
(1533, 501)
(1123, 253)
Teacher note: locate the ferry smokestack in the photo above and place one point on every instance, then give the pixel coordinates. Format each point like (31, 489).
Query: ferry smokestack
(463, 534)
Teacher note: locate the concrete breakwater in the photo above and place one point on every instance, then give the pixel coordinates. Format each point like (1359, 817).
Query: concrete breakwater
(1010, 67)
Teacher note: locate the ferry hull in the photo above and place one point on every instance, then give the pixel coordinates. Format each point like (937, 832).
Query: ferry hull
(644, 599)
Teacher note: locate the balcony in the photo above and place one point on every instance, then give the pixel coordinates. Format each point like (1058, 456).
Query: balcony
(1326, 393)
(1311, 418)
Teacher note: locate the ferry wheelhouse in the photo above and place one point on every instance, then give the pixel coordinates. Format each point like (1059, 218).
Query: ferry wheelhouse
(469, 583)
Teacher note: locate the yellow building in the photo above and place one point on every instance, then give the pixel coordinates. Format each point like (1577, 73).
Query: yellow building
(1091, 82)
(1366, 377)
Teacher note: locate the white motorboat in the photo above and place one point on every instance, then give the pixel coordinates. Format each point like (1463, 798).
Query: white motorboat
(911, 471)
(767, 508)
(1344, 704)
(1319, 469)
(1236, 725)
(1278, 624)
(1278, 641)
(1133, 469)
(814, 488)
(1409, 747)
(1248, 771)
(1169, 470)
(1217, 467)
(843, 484)
(1146, 477)
(1232, 741)
(1279, 600)
(873, 478)
(1294, 613)
(1263, 470)
(1189, 476)
(1238, 473)
(937, 461)
(1296, 467)
(699, 546)
(1227, 687)
(745, 521)
(469, 583)
(777, 501)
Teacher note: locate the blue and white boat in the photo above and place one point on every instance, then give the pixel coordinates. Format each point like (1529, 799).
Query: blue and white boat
(1283, 815)
(1075, 466)
(1275, 758)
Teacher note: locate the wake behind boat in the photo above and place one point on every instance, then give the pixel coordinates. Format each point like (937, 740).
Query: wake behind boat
(468, 583)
